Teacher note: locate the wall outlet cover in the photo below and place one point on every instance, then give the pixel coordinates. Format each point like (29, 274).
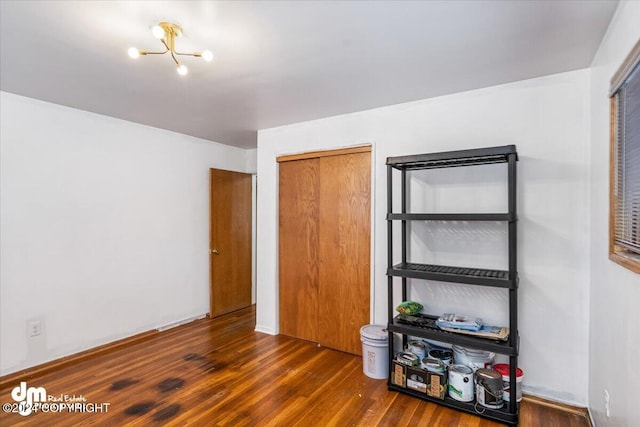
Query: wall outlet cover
(35, 328)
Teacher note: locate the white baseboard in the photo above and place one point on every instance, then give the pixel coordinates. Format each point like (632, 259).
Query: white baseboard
(265, 330)
(550, 395)
(591, 419)
(180, 322)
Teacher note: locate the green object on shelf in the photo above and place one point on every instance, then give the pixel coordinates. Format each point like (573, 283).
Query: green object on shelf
(409, 307)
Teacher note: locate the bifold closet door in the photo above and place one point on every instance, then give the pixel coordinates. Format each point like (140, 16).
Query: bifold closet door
(345, 254)
(299, 204)
(324, 248)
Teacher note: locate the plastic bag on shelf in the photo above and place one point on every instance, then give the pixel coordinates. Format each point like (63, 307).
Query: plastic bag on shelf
(459, 321)
(409, 307)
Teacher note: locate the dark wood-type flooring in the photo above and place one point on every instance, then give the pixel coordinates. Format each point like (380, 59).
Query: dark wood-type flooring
(221, 373)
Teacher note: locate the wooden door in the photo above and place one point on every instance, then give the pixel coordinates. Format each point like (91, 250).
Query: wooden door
(230, 241)
(298, 248)
(344, 250)
(324, 247)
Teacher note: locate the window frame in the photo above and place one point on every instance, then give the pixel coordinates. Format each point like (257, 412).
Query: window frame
(619, 254)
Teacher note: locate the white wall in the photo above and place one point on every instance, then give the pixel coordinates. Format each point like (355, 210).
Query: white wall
(615, 292)
(251, 163)
(548, 119)
(104, 227)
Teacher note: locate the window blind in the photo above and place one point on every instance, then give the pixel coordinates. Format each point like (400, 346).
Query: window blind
(627, 154)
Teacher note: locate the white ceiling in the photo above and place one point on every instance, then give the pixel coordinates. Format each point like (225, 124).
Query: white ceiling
(281, 62)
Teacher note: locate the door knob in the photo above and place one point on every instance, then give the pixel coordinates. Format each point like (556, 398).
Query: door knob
(214, 251)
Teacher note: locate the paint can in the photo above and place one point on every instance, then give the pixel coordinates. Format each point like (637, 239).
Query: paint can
(503, 369)
(489, 388)
(375, 351)
(433, 365)
(461, 383)
(407, 358)
(446, 356)
(418, 348)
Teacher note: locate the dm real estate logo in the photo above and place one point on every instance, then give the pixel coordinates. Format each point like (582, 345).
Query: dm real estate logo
(27, 398)
(35, 399)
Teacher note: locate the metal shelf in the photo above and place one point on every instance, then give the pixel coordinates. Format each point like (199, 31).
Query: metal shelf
(444, 273)
(480, 156)
(451, 217)
(425, 327)
(429, 330)
(501, 415)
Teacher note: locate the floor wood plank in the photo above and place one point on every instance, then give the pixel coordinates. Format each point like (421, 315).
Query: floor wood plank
(221, 372)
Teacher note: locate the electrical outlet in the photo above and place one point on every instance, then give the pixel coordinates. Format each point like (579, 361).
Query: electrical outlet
(35, 328)
(607, 400)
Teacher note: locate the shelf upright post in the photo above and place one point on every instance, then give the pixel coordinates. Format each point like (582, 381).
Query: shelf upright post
(513, 276)
(389, 265)
(513, 231)
(390, 238)
(403, 192)
(404, 239)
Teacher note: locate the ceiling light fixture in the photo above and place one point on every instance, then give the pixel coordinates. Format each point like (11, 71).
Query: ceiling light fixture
(167, 33)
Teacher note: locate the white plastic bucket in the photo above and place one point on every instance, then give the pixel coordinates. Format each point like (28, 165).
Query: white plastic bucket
(375, 351)
(503, 369)
(475, 359)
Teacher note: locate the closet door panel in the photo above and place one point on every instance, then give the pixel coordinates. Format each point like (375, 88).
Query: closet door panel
(344, 250)
(299, 207)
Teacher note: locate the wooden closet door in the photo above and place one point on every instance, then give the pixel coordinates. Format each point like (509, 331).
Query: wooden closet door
(299, 207)
(345, 254)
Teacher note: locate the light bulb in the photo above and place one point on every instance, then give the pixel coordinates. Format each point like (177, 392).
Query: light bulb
(157, 31)
(207, 55)
(182, 70)
(133, 52)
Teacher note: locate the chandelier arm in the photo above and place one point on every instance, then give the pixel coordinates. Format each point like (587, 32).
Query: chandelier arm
(145, 52)
(174, 58)
(170, 49)
(196, 54)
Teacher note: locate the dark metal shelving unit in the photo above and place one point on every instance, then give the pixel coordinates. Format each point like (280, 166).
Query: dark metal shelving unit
(452, 217)
(431, 331)
(474, 276)
(444, 273)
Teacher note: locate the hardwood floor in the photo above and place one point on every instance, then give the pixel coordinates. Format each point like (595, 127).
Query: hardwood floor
(221, 373)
